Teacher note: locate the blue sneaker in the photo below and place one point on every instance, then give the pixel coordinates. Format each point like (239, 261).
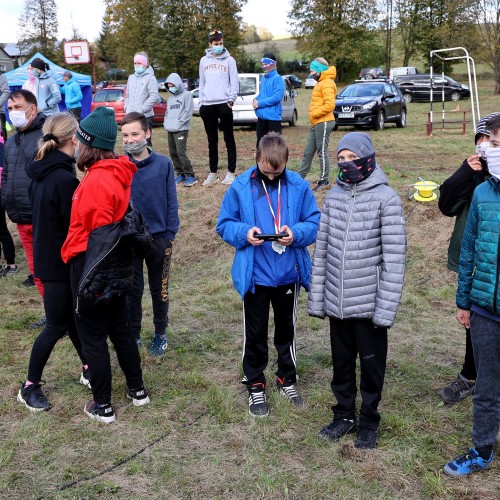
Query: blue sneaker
(180, 179)
(158, 345)
(190, 181)
(466, 464)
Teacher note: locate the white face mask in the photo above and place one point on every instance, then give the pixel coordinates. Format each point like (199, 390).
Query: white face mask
(481, 149)
(18, 118)
(493, 160)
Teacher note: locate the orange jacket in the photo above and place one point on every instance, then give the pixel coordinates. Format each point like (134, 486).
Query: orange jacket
(323, 98)
(101, 198)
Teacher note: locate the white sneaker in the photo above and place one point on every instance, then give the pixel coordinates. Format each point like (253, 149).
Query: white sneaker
(211, 179)
(229, 179)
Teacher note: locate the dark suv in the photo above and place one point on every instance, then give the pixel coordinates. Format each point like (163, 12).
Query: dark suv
(370, 104)
(418, 88)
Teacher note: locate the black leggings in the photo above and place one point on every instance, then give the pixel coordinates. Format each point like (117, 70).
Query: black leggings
(58, 304)
(6, 241)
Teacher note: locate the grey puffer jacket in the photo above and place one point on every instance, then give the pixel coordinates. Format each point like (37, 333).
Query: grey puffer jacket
(142, 92)
(359, 258)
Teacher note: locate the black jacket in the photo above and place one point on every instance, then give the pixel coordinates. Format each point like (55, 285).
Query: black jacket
(108, 271)
(51, 192)
(20, 149)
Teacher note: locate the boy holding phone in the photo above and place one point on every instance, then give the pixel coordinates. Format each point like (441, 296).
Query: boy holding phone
(269, 199)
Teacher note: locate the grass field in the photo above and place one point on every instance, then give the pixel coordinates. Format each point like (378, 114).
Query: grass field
(196, 439)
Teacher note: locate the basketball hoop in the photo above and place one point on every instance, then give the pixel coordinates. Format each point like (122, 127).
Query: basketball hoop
(77, 52)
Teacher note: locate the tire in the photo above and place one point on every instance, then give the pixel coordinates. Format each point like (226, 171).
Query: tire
(380, 123)
(401, 122)
(335, 127)
(408, 97)
(369, 76)
(293, 121)
(455, 96)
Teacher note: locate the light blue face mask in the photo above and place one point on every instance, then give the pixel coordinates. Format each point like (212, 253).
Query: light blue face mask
(217, 49)
(139, 70)
(173, 90)
(36, 73)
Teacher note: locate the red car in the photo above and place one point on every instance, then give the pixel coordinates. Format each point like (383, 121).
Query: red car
(114, 98)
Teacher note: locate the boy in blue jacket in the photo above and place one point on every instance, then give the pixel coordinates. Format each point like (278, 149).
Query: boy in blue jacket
(155, 195)
(72, 95)
(267, 104)
(269, 199)
(478, 293)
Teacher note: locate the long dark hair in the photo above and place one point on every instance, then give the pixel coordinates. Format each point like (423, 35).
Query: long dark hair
(87, 156)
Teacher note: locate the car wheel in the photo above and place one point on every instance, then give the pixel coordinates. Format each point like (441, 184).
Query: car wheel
(335, 126)
(369, 76)
(455, 96)
(401, 123)
(293, 121)
(380, 123)
(407, 97)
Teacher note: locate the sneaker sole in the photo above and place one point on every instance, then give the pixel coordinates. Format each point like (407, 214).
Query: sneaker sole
(451, 401)
(30, 408)
(139, 402)
(459, 476)
(213, 182)
(258, 416)
(105, 420)
(85, 382)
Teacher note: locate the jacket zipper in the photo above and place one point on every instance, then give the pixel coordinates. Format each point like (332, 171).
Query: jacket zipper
(353, 196)
(90, 270)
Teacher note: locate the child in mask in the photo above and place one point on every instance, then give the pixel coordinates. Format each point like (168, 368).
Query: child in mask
(478, 293)
(357, 281)
(176, 123)
(454, 201)
(269, 199)
(154, 194)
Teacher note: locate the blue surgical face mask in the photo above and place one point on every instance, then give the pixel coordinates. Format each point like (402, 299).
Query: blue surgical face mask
(36, 73)
(217, 49)
(173, 90)
(139, 70)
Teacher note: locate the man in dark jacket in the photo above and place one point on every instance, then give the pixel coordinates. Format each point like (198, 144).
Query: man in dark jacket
(20, 149)
(454, 201)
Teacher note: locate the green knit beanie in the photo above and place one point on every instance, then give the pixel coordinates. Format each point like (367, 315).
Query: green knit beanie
(99, 129)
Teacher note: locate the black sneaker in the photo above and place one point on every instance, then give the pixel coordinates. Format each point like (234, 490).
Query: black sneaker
(139, 396)
(8, 270)
(366, 440)
(29, 281)
(457, 390)
(102, 413)
(33, 397)
(38, 324)
(320, 185)
(288, 390)
(338, 428)
(257, 402)
(85, 378)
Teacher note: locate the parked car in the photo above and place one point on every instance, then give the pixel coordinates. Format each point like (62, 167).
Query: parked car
(294, 80)
(190, 83)
(114, 98)
(371, 73)
(196, 101)
(402, 71)
(418, 88)
(310, 82)
(371, 104)
(161, 83)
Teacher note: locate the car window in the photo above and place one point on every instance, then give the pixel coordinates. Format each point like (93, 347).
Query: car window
(109, 95)
(248, 85)
(362, 91)
(388, 89)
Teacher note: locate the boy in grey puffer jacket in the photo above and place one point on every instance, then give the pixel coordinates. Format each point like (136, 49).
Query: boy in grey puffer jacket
(357, 281)
(177, 120)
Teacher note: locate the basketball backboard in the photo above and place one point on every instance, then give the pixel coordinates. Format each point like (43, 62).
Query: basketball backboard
(77, 52)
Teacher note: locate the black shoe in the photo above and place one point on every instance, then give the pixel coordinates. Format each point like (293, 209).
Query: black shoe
(320, 184)
(8, 270)
(338, 428)
(457, 390)
(257, 402)
(38, 324)
(138, 396)
(33, 397)
(288, 390)
(103, 413)
(367, 439)
(29, 281)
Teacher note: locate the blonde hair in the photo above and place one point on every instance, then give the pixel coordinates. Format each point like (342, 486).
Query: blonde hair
(321, 60)
(57, 130)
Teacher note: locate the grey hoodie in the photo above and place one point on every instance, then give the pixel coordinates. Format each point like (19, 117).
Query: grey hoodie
(218, 79)
(142, 92)
(179, 106)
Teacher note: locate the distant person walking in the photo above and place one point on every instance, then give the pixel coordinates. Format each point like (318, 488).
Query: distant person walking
(219, 87)
(72, 95)
(48, 94)
(322, 120)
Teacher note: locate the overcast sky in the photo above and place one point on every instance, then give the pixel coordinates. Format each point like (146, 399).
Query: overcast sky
(86, 16)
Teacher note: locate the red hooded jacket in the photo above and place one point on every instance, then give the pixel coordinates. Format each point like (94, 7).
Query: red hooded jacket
(101, 198)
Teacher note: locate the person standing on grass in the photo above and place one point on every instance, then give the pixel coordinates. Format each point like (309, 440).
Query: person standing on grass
(99, 284)
(72, 95)
(357, 281)
(142, 90)
(177, 122)
(48, 94)
(268, 198)
(219, 87)
(478, 303)
(322, 120)
(267, 104)
(53, 183)
(154, 194)
(454, 201)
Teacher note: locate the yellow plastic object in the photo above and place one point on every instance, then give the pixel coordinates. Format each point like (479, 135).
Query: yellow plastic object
(424, 190)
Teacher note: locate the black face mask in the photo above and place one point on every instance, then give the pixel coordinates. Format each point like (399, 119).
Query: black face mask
(316, 76)
(266, 179)
(357, 170)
